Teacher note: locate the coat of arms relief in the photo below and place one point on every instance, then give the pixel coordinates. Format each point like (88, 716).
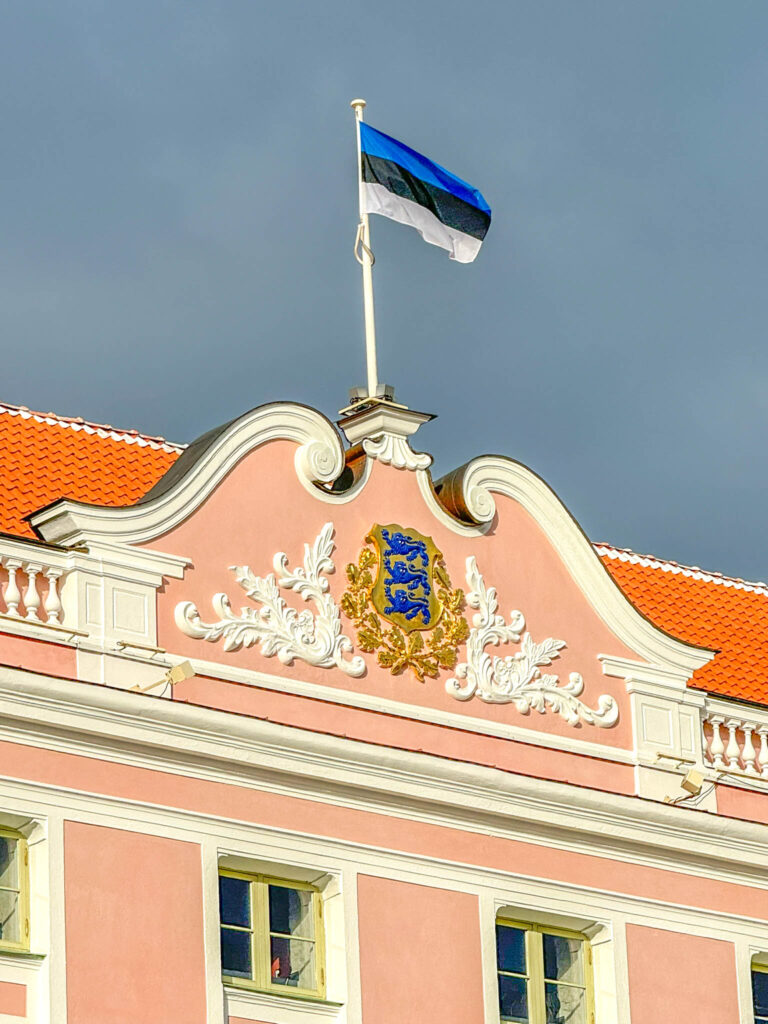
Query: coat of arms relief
(402, 603)
(405, 611)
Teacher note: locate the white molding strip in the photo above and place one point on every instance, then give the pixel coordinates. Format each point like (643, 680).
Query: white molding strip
(254, 840)
(114, 725)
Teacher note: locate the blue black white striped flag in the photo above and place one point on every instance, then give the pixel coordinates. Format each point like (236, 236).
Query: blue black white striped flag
(399, 183)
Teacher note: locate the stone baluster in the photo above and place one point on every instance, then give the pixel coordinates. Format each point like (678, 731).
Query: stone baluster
(31, 596)
(762, 732)
(748, 752)
(12, 592)
(52, 603)
(732, 751)
(716, 746)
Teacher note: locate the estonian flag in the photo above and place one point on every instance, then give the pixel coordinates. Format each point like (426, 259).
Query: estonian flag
(400, 183)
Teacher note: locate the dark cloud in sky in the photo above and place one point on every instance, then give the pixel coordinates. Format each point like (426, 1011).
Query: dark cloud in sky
(178, 207)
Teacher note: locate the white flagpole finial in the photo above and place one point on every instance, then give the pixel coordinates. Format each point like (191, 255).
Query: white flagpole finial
(364, 256)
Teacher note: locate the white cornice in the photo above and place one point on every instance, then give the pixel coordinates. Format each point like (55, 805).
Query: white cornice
(115, 725)
(319, 458)
(493, 474)
(384, 430)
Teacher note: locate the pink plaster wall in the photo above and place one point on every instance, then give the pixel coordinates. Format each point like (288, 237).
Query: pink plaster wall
(420, 954)
(319, 715)
(261, 508)
(745, 804)
(134, 927)
(38, 656)
(13, 999)
(675, 977)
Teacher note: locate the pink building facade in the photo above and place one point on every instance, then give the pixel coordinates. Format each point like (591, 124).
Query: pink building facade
(304, 736)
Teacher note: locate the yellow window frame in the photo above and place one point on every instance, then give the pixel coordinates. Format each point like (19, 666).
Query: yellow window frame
(756, 969)
(22, 945)
(534, 962)
(261, 934)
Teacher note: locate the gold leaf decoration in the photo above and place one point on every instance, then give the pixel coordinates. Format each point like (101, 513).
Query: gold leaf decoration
(424, 653)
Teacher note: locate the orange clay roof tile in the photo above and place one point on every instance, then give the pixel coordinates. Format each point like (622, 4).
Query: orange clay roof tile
(44, 457)
(723, 613)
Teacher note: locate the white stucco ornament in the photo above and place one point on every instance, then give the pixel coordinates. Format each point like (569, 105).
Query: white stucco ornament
(517, 678)
(314, 637)
(384, 429)
(396, 451)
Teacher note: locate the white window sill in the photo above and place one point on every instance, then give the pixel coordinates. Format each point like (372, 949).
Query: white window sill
(251, 1005)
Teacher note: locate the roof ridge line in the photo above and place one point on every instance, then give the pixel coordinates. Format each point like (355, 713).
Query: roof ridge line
(104, 430)
(678, 569)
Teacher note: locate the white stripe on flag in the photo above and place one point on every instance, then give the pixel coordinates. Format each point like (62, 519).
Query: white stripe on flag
(378, 199)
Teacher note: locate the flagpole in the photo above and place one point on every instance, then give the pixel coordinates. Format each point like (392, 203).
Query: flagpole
(365, 258)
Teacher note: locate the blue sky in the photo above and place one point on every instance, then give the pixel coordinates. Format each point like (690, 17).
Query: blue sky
(178, 207)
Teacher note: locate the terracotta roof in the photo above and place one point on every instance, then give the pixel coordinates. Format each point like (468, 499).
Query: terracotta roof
(44, 457)
(724, 613)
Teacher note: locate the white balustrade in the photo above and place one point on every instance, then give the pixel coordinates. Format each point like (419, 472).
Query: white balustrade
(716, 745)
(30, 591)
(52, 603)
(31, 596)
(737, 751)
(12, 593)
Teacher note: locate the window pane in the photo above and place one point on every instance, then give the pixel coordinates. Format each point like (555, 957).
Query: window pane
(9, 866)
(235, 901)
(10, 925)
(513, 999)
(510, 949)
(236, 953)
(292, 962)
(565, 1005)
(290, 911)
(563, 959)
(760, 993)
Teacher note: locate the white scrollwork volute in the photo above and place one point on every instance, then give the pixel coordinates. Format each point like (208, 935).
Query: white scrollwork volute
(319, 461)
(480, 503)
(394, 450)
(517, 678)
(281, 630)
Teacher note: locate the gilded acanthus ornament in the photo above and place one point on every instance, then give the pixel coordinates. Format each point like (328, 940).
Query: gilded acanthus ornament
(401, 600)
(517, 678)
(281, 630)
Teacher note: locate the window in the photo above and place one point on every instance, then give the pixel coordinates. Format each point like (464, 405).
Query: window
(14, 897)
(544, 975)
(760, 993)
(271, 934)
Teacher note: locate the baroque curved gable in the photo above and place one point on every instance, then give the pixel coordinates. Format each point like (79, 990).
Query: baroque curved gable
(514, 614)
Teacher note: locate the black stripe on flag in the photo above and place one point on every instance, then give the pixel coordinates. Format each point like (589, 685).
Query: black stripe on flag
(453, 212)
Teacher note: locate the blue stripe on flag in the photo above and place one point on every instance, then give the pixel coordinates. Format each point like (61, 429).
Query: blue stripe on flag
(376, 143)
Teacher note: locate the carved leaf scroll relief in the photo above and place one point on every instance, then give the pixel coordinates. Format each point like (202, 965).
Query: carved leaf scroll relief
(314, 637)
(517, 678)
